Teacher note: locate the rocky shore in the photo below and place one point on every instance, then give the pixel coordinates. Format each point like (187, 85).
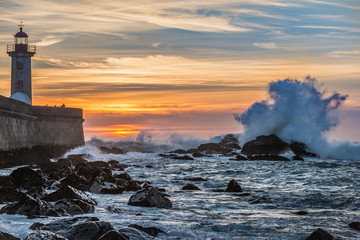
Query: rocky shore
(61, 189)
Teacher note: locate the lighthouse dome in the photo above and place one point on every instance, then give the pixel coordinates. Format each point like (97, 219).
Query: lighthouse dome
(21, 34)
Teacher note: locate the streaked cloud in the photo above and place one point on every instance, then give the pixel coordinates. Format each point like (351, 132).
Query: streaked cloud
(266, 45)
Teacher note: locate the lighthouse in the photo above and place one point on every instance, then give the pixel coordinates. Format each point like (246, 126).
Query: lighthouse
(21, 53)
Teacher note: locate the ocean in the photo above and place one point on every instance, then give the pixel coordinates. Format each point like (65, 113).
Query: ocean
(328, 190)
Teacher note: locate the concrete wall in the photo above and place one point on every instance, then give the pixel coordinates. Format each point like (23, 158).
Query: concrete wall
(23, 126)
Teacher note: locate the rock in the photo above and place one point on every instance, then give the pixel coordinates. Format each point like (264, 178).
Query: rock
(199, 154)
(10, 195)
(36, 192)
(74, 206)
(239, 158)
(113, 209)
(180, 151)
(196, 179)
(78, 158)
(36, 226)
(71, 193)
(301, 213)
(26, 178)
(320, 234)
(75, 181)
(209, 148)
(104, 183)
(271, 144)
(233, 186)
(355, 225)
(115, 165)
(132, 186)
(297, 158)
(152, 231)
(5, 182)
(45, 235)
(66, 223)
(113, 235)
(149, 197)
(32, 208)
(190, 186)
(271, 157)
(6, 236)
(300, 149)
(134, 234)
(229, 143)
(123, 176)
(86, 230)
(113, 150)
(184, 157)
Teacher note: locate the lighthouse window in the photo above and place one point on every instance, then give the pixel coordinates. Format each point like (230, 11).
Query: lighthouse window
(19, 66)
(19, 84)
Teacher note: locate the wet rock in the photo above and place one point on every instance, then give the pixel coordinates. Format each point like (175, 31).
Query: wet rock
(123, 176)
(320, 234)
(132, 186)
(75, 181)
(233, 186)
(196, 179)
(229, 143)
(149, 197)
(6, 236)
(297, 158)
(190, 186)
(36, 192)
(32, 208)
(243, 194)
(26, 178)
(258, 200)
(10, 195)
(180, 151)
(184, 157)
(355, 225)
(44, 235)
(78, 158)
(113, 235)
(271, 157)
(36, 226)
(74, 206)
(86, 230)
(5, 182)
(209, 148)
(113, 150)
(133, 233)
(113, 209)
(152, 231)
(115, 165)
(301, 213)
(300, 149)
(70, 193)
(66, 223)
(199, 154)
(271, 144)
(239, 158)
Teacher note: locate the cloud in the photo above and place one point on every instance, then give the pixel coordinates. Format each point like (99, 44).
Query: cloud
(49, 40)
(270, 45)
(344, 53)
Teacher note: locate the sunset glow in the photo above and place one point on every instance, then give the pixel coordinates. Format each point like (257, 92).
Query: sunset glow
(181, 66)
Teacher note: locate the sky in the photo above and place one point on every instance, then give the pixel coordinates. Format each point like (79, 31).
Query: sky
(182, 66)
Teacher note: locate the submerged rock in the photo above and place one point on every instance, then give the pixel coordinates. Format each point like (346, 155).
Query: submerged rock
(196, 179)
(184, 157)
(239, 158)
(26, 178)
(301, 213)
(271, 144)
(152, 231)
(6, 236)
(149, 197)
(320, 234)
(355, 225)
(233, 186)
(190, 186)
(271, 157)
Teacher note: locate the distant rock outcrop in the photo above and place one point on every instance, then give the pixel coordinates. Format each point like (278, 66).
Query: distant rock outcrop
(271, 144)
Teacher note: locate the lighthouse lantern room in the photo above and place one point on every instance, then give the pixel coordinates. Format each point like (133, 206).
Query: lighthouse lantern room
(21, 53)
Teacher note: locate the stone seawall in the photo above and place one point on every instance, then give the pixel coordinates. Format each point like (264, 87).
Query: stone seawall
(29, 134)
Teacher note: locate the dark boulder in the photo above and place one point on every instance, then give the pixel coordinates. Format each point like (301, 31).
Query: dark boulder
(70, 193)
(209, 148)
(180, 151)
(10, 195)
(149, 197)
(300, 149)
(5, 182)
(66, 223)
(184, 157)
(115, 165)
(301, 213)
(190, 186)
(44, 235)
(297, 158)
(6, 236)
(86, 230)
(36, 192)
(229, 143)
(113, 235)
(196, 179)
(133, 233)
(32, 208)
(320, 234)
(74, 206)
(113, 150)
(199, 154)
(239, 158)
(75, 181)
(152, 231)
(355, 225)
(271, 144)
(233, 186)
(26, 178)
(270, 157)
(113, 209)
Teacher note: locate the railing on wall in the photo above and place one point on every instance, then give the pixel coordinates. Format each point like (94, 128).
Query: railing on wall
(21, 48)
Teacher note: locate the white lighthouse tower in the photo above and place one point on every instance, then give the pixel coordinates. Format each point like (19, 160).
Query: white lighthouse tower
(21, 53)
